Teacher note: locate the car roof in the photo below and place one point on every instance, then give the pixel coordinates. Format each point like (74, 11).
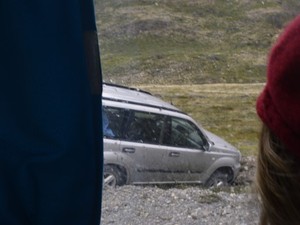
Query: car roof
(137, 96)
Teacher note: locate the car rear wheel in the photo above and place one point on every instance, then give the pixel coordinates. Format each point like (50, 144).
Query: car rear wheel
(218, 179)
(112, 176)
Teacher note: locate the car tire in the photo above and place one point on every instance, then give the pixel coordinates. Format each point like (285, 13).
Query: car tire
(112, 176)
(218, 179)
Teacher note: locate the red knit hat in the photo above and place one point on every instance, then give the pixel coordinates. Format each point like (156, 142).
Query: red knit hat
(278, 105)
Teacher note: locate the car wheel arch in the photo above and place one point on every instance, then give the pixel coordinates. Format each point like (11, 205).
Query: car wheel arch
(222, 176)
(119, 160)
(119, 173)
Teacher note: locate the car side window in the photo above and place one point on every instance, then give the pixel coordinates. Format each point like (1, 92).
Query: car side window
(144, 127)
(183, 133)
(112, 119)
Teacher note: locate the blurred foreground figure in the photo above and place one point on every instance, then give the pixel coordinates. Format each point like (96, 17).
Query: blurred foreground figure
(50, 130)
(278, 106)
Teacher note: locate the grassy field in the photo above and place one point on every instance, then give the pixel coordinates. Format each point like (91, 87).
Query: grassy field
(190, 42)
(227, 110)
(208, 57)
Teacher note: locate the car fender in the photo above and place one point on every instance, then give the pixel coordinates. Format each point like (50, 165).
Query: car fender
(121, 160)
(221, 163)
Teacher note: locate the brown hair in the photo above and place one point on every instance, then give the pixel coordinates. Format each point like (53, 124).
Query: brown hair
(277, 182)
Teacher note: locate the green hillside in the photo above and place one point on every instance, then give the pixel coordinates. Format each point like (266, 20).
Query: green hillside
(190, 41)
(164, 46)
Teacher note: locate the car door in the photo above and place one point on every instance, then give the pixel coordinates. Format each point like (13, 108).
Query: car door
(142, 144)
(186, 154)
(112, 118)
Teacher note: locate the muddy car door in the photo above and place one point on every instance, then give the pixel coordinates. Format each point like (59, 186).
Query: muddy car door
(142, 144)
(186, 153)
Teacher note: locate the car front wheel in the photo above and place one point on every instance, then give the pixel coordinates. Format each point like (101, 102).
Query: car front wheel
(218, 179)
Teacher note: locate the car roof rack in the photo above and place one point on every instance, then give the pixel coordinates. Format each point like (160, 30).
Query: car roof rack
(159, 106)
(125, 87)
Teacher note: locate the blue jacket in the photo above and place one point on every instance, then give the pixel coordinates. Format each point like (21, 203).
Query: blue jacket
(50, 120)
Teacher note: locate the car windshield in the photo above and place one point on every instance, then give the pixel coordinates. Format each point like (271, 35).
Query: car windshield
(179, 123)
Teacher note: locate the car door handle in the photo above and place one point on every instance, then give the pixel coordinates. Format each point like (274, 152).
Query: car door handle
(128, 150)
(174, 154)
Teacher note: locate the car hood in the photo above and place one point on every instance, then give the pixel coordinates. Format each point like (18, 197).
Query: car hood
(219, 143)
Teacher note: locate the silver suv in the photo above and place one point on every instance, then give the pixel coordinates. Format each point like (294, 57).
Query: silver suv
(149, 141)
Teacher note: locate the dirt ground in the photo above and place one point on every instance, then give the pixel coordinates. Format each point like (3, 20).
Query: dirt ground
(191, 205)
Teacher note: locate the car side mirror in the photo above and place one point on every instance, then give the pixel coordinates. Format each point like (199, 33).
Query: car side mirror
(208, 145)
